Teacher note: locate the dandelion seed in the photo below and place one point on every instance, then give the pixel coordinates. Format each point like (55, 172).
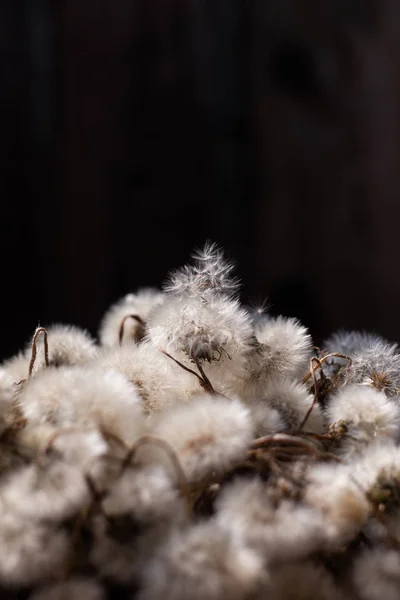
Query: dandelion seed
(210, 274)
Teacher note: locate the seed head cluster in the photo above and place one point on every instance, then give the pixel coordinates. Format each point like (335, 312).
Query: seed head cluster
(199, 450)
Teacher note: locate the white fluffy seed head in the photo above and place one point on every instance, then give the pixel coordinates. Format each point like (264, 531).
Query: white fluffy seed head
(67, 345)
(73, 444)
(367, 413)
(292, 400)
(159, 381)
(342, 502)
(78, 446)
(83, 397)
(283, 349)
(116, 326)
(8, 392)
(201, 562)
(123, 546)
(29, 552)
(52, 494)
(76, 588)
(376, 363)
(7, 388)
(378, 464)
(210, 434)
(17, 366)
(265, 419)
(376, 574)
(210, 274)
(300, 581)
(287, 531)
(214, 332)
(346, 343)
(148, 494)
(216, 329)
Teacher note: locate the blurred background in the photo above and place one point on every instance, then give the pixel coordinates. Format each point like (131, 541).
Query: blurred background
(134, 130)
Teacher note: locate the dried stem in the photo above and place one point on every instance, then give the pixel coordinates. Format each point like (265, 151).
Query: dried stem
(315, 399)
(183, 366)
(206, 382)
(56, 435)
(107, 435)
(281, 439)
(38, 331)
(139, 331)
(150, 439)
(82, 519)
(287, 441)
(323, 359)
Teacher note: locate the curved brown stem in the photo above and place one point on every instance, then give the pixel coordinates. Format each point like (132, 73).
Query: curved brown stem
(139, 331)
(38, 331)
(184, 366)
(172, 455)
(315, 399)
(206, 384)
(281, 438)
(323, 359)
(203, 379)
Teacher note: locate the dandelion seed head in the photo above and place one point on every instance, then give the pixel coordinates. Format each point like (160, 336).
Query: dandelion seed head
(210, 274)
(51, 494)
(376, 574)
(147, 493)
(376, 363)
(287, 531)
(282, 348)
(66, 397)
(67, 345)
(29, 552)
(367, 413)
(292, 400)
(209, 434)
(300, 581)
(156, 378)
(336, 494)
(201, 562)
(76, 588)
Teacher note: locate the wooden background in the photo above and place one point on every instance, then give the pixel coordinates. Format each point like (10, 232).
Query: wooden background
(131, 131)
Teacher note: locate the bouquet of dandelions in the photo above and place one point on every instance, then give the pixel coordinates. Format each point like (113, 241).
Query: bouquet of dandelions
(200, 451)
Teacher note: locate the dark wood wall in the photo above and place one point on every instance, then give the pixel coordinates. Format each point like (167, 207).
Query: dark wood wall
(133, 131)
